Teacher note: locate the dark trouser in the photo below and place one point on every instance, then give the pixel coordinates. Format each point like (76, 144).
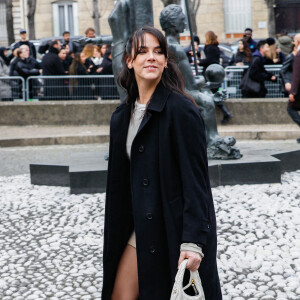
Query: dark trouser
(293, 112)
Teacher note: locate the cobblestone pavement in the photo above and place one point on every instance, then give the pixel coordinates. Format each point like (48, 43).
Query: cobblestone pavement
(51, 241)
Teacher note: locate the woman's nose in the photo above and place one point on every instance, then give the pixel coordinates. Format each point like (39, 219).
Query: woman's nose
(151, 55)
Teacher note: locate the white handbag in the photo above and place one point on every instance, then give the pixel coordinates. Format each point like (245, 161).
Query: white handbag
(178, 292)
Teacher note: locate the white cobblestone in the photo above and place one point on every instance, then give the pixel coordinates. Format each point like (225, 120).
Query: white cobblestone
(51, 241)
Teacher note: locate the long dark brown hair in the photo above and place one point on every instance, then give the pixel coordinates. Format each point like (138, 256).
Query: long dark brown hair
(246, 49)
(171, 76)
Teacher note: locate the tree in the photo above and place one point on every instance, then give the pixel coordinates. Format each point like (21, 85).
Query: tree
(96, 17)
(271, 17)
(31, 4)
(9, 22)
(194, 6)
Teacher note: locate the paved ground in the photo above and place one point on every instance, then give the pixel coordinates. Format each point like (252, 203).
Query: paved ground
(11, 136)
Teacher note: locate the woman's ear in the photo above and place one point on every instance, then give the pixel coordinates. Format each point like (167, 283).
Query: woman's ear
(129, 63)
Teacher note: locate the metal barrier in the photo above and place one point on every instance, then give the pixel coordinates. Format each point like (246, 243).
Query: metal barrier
(234, 74)
(12, 88)
(71, 87)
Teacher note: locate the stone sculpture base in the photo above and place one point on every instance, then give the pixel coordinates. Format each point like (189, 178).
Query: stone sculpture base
(87, 174)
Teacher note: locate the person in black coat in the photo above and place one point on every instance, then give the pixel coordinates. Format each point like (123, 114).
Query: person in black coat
(286, 73)
(158, 196)
(243, 55)
(294, 96)
(212, 56)
(24, 41)
(27, 66)
(248, 38)
(53, 66)
(257, 71)
(80, 88)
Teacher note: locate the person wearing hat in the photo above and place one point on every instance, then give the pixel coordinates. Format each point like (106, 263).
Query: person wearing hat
(25, 41)
(275, 56)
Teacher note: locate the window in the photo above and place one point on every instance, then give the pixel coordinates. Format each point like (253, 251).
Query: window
(65, 17)
(3, 31)
(237, 15)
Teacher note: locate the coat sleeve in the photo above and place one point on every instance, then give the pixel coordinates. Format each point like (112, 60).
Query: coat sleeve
(190, 147)
(285, 69)
(256, 73)
(296, 75)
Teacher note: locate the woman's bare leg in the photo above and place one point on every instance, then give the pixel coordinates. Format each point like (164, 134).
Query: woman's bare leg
(126, 283)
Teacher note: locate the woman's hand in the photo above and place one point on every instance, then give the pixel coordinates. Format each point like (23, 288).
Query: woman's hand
(194, 260)
(291, 98)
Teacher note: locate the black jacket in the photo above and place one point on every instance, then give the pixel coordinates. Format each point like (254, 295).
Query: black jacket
(296, 82)
(106, 65)
(258, 73)
(27, 67)
(163, 193)
(239, 57)
(286, 72)
(29, 44)
(252, 44)
(51, 63)
(212, 56)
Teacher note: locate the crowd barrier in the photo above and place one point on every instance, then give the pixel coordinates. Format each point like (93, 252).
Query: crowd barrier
(71, 87)
(102, 87)
(234, 74)
(12, 88)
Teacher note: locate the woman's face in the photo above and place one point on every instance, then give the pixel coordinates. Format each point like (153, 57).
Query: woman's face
(62, 54)
(67, 49)
(103, 49)
(241, 46)
(150, 62)
(96, 53)
(82, 57)
(24, 52)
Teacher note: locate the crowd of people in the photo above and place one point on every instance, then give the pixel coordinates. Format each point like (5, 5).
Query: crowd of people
(60, 58)
(65, 57)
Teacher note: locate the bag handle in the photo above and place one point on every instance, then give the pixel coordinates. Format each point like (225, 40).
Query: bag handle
(194, 279)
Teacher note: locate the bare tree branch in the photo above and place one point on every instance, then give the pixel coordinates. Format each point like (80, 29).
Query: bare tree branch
(271, 17)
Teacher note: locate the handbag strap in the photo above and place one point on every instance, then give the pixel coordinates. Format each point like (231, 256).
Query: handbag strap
(194, 278)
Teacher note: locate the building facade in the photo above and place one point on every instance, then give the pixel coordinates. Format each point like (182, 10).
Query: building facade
(228, 18)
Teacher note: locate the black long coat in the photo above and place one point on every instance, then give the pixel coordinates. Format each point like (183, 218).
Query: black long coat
(163, 194)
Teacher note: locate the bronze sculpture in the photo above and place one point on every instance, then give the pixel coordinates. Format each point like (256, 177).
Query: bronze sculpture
(172, 21)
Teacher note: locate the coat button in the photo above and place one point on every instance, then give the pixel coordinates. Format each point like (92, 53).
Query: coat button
(152, 250)
(145, 182)
(141, 148)
(149, 216)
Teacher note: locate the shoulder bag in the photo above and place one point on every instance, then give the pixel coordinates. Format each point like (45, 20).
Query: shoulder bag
(248, 84)
(178, 292)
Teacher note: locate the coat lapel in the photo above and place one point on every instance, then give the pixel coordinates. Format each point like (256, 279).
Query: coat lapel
(157, 103)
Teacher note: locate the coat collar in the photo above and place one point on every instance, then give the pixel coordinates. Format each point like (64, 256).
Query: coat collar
(159, 98)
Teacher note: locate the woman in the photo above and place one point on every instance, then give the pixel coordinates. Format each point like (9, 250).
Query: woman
(243, 55)
(159, 207)
(79, 88)
(97, 57)
(275, 56)
(212, 56)
(211, 50)
(88, 51)
(28, 66)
